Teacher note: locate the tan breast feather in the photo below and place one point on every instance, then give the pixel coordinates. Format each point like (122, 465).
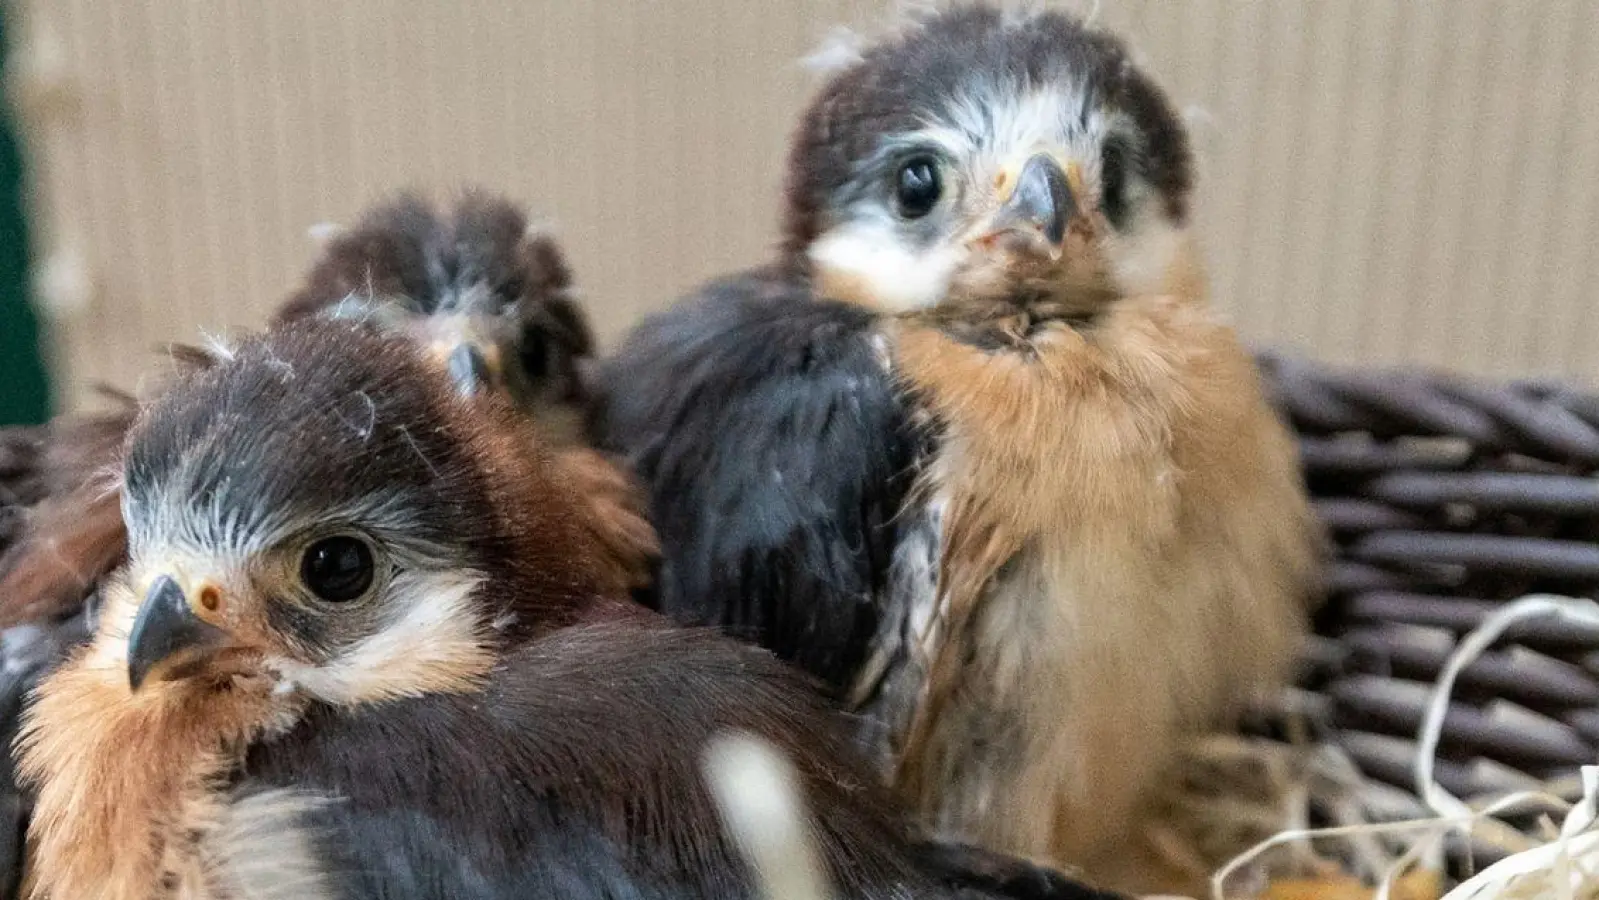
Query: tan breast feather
(1127, 558)
(131, 793)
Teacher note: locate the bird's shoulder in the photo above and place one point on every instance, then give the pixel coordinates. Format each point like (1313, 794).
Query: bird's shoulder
(740, 335)
(754, 379)
(577, 771)
(581, 755)
(755, 373)
(777, 450)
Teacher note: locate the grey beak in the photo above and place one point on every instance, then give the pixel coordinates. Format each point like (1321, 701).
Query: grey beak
(166, 631)
(468, 369)
(1042, 200)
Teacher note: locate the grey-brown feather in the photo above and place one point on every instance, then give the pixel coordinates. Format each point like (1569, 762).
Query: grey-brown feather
(408, 259)
(59, 532)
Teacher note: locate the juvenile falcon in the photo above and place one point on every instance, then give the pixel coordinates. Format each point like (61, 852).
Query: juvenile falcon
(488, 297)
(973, 447)
(366, 645)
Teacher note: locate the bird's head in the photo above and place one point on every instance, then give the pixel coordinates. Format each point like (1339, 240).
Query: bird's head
(986, 158)
(489, 296)
(319, 507)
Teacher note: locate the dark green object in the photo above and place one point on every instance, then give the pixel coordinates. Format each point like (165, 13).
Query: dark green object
(24, 387)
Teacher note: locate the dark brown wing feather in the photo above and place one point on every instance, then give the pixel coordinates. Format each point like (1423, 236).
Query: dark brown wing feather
(576, 772)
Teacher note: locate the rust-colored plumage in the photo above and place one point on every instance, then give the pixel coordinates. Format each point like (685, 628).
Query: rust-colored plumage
(159, 755)
(627, 541)
(1137, 467)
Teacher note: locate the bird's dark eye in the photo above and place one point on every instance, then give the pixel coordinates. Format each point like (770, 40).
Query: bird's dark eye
(917, 187)
(1113, 182)
(337, 569)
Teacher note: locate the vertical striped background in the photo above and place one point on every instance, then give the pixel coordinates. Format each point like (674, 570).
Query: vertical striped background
(1382, 180)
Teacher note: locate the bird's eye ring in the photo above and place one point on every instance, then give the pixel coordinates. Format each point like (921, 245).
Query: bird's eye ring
(338, 569)
(917, 187)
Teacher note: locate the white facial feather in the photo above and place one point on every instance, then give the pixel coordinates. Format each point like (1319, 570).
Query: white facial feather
(219, 536)
(870, 252)
(987, 135)
(1142, 262)
(432, 635)
(435, 633)
(991, 125)
(167, 528)
(119, 605)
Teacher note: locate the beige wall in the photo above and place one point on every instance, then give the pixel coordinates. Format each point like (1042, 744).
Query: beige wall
(1382, 179)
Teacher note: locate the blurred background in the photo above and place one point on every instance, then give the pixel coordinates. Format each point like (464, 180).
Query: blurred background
(1382, 181)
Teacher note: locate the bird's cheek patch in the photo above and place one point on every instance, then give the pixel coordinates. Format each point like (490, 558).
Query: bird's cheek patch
(433, 643)
(869, 264)
(1156, 262)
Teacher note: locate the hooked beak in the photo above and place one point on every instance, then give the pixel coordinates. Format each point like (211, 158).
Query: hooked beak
(459, 344)
(469, 371)
(1041, 206)
(169, 639)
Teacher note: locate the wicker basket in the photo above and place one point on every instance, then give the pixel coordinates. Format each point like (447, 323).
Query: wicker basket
(1445, 498)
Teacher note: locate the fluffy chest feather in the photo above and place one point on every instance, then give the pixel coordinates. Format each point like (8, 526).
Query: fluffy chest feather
(133, 799)
(1119, 554)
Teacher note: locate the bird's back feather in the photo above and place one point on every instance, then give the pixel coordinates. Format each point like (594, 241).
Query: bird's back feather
(777, 455)
(578, 769)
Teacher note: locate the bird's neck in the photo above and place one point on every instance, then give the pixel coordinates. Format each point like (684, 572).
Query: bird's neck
(126, 782)
(1012, 322)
